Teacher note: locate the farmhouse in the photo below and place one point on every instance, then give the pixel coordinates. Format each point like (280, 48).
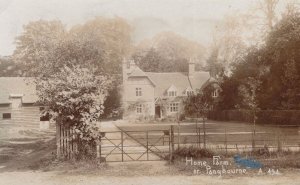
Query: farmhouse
(17, 103)
(148, 95)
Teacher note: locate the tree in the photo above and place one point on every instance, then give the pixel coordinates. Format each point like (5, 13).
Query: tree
(107, 39)
(46, 46)
(281, 80)
(251, 67)
(36, 45)
(168, 52)
(74, 98)
(149, 60)
(9, 68)
(199, 104)
(214, 65)
(230, 41)
(248, 92)
(268, 7)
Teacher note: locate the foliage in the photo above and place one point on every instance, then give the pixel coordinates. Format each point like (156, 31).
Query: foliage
(9, 68)
(200, 102)
(167, 52)
(214, 65)
(146, 110)
(193, 152)
(274, 65)
(282, 50)
(112, 104)
(74, 98)
(280, 117)
(37, 44)
(46, 46)
(248, 92)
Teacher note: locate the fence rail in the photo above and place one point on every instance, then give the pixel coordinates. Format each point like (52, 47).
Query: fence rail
(239, 138)
(149, 145)
(145, 144)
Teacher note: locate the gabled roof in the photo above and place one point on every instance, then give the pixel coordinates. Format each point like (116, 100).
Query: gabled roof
(199, 79)
(10, 86)
(137, 72)
(210, 81)
(164, 80)
(188, 89)
(172, 88)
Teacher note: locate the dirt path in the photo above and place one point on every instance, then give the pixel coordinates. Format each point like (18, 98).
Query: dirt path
(142, 173)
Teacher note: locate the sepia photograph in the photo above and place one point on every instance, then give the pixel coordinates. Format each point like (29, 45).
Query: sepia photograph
(149, 92)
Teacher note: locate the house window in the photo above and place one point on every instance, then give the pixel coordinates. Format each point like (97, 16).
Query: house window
(172, 93)
(173, 107)
(215, 93)
(5, 105)
(139, 108)
(189, 93)
(138, 91)
(6, 115)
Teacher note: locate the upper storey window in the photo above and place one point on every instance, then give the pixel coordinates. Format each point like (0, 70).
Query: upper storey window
(189, 93)
(172, 93)
(138, 91)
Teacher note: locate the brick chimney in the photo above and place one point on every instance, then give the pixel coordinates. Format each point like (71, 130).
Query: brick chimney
(125, 69)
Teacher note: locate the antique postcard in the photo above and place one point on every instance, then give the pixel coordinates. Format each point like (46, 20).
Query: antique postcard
(140, 92)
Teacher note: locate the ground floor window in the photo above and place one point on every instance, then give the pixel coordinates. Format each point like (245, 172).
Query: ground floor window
(6, 115)
(139, 108)
(215, 93)
(174, 107)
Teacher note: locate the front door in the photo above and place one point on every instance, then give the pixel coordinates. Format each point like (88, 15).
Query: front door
(157, 111)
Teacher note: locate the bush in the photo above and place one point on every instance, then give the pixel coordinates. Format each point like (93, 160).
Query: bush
(280, 117)
(192, 151)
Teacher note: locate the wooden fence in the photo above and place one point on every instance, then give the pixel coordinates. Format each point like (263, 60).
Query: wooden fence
(65, 142)
(226, 138)
(232, 138)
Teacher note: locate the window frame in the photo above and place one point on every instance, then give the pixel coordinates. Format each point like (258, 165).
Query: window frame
(138, 91)
(139, 108)
(215, 93)
(6, 117)
(189, 93)
(172, 93)
(174, 107)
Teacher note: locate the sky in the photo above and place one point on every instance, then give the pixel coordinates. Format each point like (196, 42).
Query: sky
(193, 19)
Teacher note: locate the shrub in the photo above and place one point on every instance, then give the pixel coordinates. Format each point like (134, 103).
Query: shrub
(281, 117)
(192, 151)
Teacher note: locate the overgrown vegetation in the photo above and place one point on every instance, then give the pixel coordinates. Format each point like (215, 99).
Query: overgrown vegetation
(274, 65)
(193, 151)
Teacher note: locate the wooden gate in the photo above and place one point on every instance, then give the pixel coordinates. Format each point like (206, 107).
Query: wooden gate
(148, 145)
(65, 142)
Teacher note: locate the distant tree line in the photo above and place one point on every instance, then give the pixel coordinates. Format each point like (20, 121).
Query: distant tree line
(275, 66)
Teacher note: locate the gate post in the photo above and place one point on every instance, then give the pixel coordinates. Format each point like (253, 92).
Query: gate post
(122, 145)
(171, 143)
(225, 131)
(58, 139)
(199, 137)
(147, 138)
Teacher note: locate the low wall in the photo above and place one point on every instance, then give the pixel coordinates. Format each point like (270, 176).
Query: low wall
(280, 117)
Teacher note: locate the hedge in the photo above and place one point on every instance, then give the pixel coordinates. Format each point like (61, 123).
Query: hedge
(280, 117)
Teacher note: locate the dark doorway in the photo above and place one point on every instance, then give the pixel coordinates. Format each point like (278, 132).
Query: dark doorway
(157, 112)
